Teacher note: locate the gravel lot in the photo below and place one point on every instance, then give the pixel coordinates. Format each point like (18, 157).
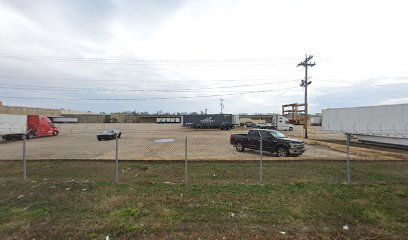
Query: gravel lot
(78, 141)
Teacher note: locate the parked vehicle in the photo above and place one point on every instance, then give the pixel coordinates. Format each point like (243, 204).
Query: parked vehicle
(13, 127)
(281, 123)
(221, 121)
(272, 141)
(251, 125)
(386, 124)
(109, 134)
(264, 126)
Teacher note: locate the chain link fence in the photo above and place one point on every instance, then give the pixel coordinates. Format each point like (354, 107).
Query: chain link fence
(171, 153)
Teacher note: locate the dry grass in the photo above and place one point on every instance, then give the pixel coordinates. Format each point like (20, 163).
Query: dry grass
(306, 200)
(112, 202)
(360, 152)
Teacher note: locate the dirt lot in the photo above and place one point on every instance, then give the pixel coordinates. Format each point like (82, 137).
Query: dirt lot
(78, 141)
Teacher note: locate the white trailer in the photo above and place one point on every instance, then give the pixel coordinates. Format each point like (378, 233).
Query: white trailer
(235, 119)
(387, 124)
(316, 120)
(168, 120)
(12, 125)
(64, 120)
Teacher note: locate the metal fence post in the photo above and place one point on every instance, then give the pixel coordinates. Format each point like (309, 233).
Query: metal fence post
(260, 162)
(24, 157)
(348, 158)
(186, 166)
(117, 161)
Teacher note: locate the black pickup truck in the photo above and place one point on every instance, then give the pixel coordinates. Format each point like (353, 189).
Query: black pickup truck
(272, 141)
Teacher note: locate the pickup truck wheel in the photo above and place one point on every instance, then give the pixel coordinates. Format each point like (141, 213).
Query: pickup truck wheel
(240, 147)
(282, 152)
(291, 129)
(55, 133)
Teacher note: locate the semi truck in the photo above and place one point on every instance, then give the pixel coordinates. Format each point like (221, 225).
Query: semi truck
(386, 124)
(281, 123)
(221, 121)
(13, 127)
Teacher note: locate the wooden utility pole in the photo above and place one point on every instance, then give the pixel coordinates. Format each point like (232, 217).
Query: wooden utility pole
(304, 84)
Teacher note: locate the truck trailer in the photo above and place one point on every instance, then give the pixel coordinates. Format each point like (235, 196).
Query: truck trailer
(386, 124)
(14, 127)
(64, 120)
(221, 121)
(168, 120)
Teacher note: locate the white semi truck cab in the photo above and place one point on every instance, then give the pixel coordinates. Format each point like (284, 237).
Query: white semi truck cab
(281, 123)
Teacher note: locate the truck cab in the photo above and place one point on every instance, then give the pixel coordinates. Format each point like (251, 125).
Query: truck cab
(282, 124)
(41, 126)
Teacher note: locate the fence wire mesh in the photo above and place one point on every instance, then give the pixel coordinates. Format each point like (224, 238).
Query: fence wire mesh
(174, 154)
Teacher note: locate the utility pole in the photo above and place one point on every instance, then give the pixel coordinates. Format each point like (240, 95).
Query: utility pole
(222, 104)
(304, 84)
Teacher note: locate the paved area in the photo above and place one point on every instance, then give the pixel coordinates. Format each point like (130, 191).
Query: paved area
(139, 142)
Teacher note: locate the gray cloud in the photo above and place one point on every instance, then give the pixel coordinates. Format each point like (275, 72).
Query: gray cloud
(170, 30)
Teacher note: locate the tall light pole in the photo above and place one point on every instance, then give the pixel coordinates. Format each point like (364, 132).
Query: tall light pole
(305, 83)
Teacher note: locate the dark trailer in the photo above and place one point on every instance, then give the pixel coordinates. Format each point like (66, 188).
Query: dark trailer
(221, 121)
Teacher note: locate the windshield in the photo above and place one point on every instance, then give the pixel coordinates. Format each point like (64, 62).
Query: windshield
(107, 131)
(277, 134)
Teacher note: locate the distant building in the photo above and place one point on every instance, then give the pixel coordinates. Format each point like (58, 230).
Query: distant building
(68, 111)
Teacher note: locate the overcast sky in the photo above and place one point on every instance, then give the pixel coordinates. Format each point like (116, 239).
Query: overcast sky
(183, 56)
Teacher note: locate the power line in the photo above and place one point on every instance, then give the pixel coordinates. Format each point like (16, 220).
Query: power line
(144, 99)
(123, 61)
(119, 80)
(49, 88)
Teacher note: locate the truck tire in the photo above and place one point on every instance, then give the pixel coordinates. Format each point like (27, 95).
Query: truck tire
(291, 129)
(282, 152)
(240, 147)
(55, 133)
(29, 135)
(120, 134)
